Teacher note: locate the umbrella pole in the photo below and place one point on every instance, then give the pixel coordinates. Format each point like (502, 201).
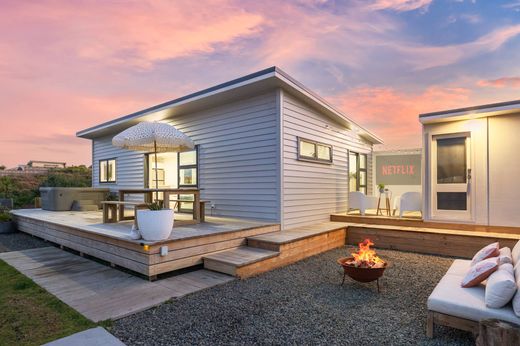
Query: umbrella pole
(156, 173)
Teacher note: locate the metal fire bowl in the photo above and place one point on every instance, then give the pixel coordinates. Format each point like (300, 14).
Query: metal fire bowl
(361, 274)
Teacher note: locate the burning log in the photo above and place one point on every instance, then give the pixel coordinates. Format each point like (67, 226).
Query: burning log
(365, 257)
(364, 265)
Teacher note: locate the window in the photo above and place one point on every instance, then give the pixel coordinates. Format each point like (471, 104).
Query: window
(314, 151)
(107, 171)
(188, 168)
(357, 171)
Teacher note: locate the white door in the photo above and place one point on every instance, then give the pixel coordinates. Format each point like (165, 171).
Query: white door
(451, 177)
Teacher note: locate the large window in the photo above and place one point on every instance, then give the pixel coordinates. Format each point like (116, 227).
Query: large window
(107, 171)
(357, 171)
(314, 151)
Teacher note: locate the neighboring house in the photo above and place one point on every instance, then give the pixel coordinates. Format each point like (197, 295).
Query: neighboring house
(33, 167)
(46, 164)
(267, 148)
(472, 164)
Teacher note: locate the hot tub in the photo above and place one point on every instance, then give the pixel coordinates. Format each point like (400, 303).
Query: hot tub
(61, 198)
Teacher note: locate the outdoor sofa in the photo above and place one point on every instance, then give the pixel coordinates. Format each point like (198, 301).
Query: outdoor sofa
(463, 308)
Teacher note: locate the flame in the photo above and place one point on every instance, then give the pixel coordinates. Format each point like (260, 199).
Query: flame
(366, 257)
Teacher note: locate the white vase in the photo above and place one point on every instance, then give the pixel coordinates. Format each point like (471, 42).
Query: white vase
(155, 225)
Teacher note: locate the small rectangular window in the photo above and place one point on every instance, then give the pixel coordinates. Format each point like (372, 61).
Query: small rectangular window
(107, 171)
(188, 168)
(314, 151)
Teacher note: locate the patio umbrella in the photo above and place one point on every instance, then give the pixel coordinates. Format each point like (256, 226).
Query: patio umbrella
(156, 137)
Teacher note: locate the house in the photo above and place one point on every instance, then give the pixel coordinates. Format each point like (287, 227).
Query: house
(266, 148)
(471, 164)
(33, 167)
(45, 164)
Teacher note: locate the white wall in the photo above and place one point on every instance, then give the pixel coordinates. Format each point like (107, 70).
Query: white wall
(313, 191)
(504, 170)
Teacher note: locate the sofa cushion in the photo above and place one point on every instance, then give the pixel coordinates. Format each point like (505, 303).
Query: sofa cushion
(500, 286)
(515, 253)
(505, 256)
(491, 250)
(516, 299)
(459, 267)
(451, 299)
(480, 272)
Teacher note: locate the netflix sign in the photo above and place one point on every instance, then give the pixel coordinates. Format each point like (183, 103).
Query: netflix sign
(398, 169)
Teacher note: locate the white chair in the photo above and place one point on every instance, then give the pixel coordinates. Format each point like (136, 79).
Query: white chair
(360, 201)
(408, 201)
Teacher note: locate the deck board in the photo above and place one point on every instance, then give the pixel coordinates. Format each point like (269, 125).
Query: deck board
(100, 292)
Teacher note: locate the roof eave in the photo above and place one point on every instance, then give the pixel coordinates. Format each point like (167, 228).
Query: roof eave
(272, 72)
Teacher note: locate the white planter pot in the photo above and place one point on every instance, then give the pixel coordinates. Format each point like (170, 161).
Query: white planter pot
(155, 224)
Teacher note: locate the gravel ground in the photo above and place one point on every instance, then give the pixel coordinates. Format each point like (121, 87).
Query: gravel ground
(19, 241)
(303, 304)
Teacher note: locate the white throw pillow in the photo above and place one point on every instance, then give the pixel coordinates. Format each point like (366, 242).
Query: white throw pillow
(516, 298)
(515, 253)
(500, 286)
(505, 256)
(488, 251)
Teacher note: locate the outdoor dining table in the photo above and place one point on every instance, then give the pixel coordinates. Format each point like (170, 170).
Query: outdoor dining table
(148, 197)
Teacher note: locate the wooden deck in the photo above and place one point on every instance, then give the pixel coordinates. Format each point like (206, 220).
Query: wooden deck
(420, 223)
(188, 243)
(412, 234)
(99, 292)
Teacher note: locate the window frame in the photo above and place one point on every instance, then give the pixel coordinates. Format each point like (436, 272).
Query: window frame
(359, 170)
(191, 166)
(314, 159)
(106, 173)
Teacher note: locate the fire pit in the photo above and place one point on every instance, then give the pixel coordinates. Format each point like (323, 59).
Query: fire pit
(364, 265)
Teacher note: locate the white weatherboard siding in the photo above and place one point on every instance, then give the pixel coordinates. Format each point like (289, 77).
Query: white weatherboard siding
(312, 191)
(238, 157)
(129, 164)
(504, 170)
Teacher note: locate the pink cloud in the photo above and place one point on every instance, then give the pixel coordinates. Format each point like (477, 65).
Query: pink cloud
(393, 114)
(399, 5)
(511, 82)
(138, 33)
(424, 57)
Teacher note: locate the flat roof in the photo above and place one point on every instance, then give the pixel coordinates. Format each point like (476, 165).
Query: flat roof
(491, 109)
(267, 79)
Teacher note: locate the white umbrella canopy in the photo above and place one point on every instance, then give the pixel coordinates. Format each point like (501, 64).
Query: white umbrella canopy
(153, 137)
(157, 137)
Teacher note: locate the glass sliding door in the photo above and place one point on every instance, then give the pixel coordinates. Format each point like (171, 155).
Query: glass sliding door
(174, 170)
(357, 172)
(451, 175)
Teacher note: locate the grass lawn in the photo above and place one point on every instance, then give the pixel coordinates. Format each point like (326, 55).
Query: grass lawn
(29, 315)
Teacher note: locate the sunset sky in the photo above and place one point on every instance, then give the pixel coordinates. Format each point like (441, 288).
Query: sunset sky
(68, 65)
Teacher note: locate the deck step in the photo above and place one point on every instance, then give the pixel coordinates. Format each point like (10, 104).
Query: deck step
(228, 261)
(273, 241)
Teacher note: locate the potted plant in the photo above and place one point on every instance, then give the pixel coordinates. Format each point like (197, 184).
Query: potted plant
(155, 223)
(7, 225)
(381, 187)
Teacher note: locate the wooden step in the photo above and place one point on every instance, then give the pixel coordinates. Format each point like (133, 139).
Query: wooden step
(228, 261)
(273, 241)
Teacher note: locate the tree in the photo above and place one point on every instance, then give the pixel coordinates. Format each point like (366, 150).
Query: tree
(2, 167)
